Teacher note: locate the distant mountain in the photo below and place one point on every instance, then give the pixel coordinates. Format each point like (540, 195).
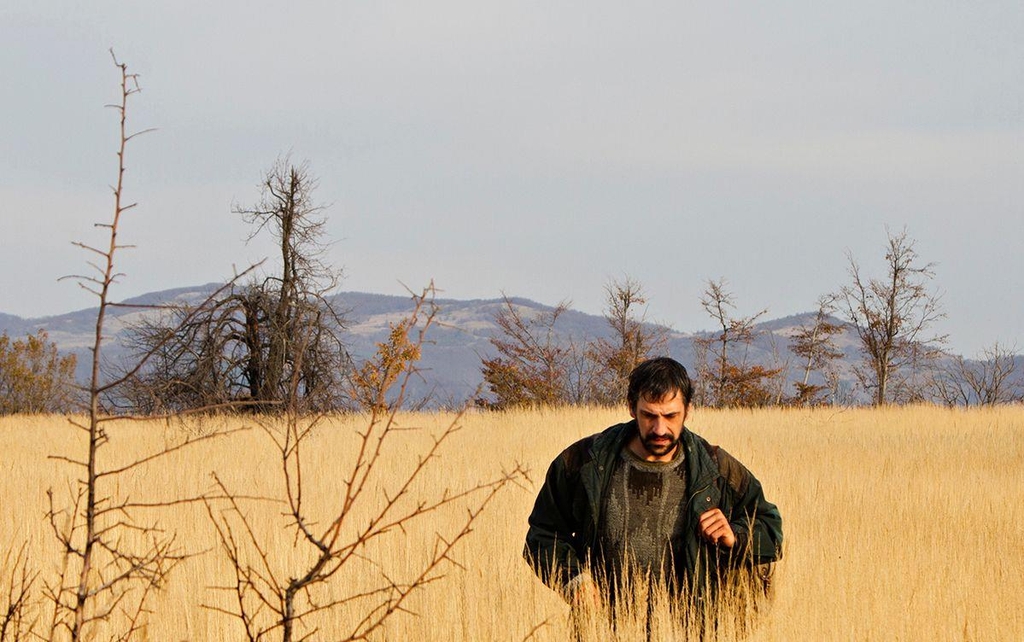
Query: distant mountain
(450, 362)
(8, 320)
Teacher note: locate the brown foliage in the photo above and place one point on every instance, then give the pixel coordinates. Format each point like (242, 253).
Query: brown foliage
(372, 380)
(34, 377)
(724, 376)
(533, 363)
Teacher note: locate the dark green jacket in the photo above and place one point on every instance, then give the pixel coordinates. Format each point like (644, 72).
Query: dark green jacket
(564, 525)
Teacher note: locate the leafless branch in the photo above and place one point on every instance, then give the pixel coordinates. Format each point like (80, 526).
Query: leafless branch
(267, 602)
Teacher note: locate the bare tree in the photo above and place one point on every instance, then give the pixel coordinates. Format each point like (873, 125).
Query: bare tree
(892, 318)
(296, 303)
(632, 340)
(985, 381)
(732, 379)
(242, 347)
(815, 346)
(271, 603)
(533, 361)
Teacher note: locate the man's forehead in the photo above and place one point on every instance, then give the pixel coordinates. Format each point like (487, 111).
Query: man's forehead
(668, 397)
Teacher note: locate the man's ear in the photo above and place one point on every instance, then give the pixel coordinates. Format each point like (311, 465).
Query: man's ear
(632, 410)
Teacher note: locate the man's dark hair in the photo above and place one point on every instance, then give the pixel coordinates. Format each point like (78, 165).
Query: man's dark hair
(657, 379)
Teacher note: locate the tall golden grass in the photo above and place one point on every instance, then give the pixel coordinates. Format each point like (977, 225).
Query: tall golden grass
(900, 524)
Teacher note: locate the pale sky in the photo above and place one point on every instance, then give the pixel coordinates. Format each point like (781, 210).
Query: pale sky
(533, 148)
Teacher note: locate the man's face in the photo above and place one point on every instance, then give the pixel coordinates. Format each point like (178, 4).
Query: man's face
(660, 424)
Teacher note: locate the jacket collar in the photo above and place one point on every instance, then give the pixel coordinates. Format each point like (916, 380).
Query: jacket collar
(702, 468)
(608, 444)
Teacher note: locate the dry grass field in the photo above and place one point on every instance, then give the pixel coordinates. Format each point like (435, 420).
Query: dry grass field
(900, 524)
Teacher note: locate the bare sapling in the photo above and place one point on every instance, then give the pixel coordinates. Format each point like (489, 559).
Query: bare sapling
(275, 597)
(112, 560)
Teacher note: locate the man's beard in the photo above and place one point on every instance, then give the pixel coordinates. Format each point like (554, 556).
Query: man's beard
(657, 447)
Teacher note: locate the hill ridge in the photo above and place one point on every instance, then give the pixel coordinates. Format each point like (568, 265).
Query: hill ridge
(457, 344)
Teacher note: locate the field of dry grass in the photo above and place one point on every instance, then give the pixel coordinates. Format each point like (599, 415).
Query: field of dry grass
(900, 524)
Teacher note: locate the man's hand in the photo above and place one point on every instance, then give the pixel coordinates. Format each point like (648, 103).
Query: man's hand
(715, 528)
(583, 592)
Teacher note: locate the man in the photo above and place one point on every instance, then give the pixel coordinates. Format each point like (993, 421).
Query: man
(651, 499)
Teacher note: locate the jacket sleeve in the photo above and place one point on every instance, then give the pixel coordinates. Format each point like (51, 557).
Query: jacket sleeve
(553, 541)
(755, 521)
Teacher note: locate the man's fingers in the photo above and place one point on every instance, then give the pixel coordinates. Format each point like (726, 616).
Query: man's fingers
(710, 523)
(714, 531)
(712, 518)
(715, 527)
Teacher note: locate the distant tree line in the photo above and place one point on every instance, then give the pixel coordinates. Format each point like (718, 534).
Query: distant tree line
(892, 317)
(277, 339)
